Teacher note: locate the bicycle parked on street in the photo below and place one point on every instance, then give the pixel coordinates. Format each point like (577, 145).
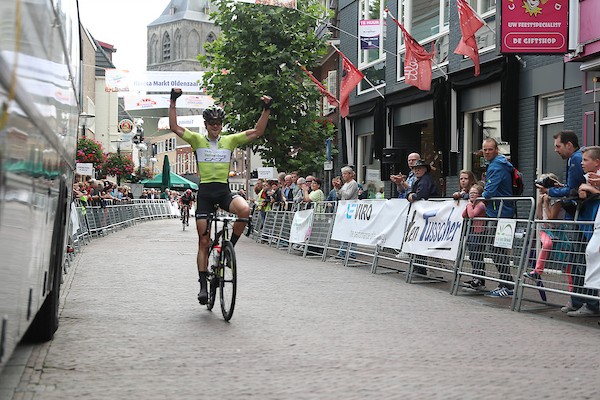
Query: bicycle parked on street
(222, 266)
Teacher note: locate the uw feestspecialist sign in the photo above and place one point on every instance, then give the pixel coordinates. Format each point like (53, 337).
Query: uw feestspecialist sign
(535, 26)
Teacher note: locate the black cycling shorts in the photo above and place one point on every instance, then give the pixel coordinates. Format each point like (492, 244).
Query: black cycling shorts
(211, 196)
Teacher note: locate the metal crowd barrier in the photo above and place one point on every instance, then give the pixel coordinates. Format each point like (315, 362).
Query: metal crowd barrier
(477, 257)
(89, 221)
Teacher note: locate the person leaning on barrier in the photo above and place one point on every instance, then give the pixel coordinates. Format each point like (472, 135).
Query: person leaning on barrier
(422, 189)
(498, 183)
(316, 195)
(588, 208)
(404, 183)
(466, 179)
(566, 145)
(348, 191)
(476, 209)
(299, 194)
(424, 186)
(590, 162)
(551, 234)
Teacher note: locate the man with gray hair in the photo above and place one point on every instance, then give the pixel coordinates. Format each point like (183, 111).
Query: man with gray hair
(404, 183)
(349, 191)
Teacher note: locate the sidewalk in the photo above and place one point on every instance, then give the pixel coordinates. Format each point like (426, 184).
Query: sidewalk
(131, 328)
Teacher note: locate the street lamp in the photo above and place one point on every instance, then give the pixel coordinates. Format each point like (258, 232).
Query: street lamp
(84, 118)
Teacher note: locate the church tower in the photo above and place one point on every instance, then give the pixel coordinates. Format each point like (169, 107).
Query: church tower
(178, 35)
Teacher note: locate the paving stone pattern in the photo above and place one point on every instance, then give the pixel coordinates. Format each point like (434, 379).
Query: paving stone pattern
(131, 328)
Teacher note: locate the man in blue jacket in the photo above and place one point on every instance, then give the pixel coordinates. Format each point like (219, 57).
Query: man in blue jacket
(498, 183)
(566, 145)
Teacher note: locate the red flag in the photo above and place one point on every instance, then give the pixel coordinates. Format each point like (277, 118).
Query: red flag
(469, 25)
(351, 77)
(330, 98)
(417, 61)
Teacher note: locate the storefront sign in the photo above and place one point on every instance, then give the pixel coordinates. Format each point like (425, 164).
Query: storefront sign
(535, 26)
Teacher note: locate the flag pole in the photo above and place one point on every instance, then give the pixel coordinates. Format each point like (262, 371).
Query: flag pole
(436, 64)
(364, 77)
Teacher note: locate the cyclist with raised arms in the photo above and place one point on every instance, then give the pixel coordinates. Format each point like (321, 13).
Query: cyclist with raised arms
(213, 153)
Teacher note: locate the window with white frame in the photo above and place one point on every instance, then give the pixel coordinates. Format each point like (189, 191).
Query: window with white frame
(426, 21)
(371, 57)
(331, 86)
(551, 118)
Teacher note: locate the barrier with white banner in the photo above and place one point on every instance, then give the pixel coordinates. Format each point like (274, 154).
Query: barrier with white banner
(300, 229)
(371, 222)
(433, 229)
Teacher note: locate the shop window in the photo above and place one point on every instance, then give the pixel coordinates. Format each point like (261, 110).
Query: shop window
(478, 126)
(369, 172)
(426, 21)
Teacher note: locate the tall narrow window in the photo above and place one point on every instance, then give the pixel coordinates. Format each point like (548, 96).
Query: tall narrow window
(166, 47)
(372, 32)
(552, 110)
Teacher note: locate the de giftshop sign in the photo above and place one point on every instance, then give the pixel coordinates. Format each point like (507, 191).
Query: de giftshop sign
(535, 26)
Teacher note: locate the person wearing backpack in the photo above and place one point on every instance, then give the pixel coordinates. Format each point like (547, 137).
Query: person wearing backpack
(498, 183)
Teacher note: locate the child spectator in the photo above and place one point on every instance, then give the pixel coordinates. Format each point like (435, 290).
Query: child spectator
(475, 243)
(466, 180)
(590, 162)
(551, 234)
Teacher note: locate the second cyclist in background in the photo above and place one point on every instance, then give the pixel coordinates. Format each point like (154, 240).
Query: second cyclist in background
(213, 152)
(186, 200)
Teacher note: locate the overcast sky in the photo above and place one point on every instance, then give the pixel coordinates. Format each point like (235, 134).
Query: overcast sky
(122, 23)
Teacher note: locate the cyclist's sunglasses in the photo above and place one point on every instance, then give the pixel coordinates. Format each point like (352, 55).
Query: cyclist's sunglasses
(214, 121)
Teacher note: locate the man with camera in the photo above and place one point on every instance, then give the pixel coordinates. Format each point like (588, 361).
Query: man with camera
(566, 145)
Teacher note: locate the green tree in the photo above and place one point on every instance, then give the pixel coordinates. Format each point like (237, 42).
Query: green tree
(256, 54)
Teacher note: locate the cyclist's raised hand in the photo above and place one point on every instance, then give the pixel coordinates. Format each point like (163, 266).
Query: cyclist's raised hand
(176, 93)
(267, 102)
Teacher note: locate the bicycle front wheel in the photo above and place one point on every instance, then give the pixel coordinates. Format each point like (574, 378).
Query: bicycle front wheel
(228, 281)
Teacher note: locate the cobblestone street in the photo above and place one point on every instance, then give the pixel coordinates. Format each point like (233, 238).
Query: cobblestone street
(131, 328)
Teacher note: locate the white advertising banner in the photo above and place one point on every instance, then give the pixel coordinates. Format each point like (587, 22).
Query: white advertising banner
(120, 80)
(154, 101)
(300, 229)
(190, 121)
(592, 258)
(433, 228)
(505, 233)
(371, 222)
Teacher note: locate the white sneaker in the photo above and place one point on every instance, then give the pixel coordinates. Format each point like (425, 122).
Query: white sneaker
(584, 311)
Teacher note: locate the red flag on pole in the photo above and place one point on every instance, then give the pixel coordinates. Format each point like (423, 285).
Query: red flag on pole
(330, 97)
(469, 25)
(351, 77)
(417, 61)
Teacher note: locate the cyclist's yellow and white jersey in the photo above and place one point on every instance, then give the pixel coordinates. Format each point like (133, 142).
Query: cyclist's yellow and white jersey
(214, 156)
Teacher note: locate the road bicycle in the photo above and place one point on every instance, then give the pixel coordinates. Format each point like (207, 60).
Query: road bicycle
(185, 215)
(222, 266)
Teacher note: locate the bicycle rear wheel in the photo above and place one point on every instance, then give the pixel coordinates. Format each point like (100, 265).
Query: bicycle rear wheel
(228, 281)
